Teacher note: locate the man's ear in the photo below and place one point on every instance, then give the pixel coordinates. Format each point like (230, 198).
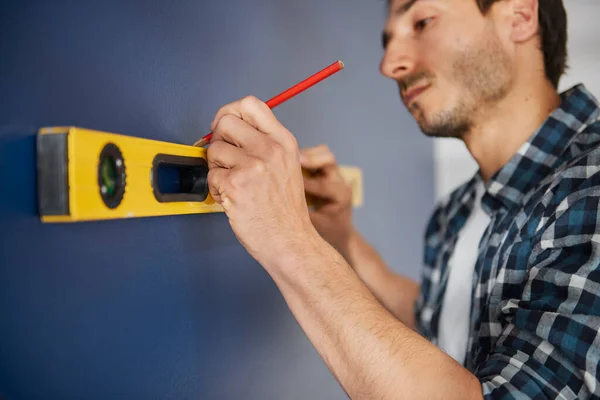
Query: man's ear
(525, 19)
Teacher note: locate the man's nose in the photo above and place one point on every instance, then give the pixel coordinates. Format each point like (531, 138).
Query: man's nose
(398, 60)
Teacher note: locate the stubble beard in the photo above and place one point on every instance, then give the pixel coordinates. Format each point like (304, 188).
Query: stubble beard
(484, 74)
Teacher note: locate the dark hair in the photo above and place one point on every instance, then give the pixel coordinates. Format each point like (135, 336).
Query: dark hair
(553, 35)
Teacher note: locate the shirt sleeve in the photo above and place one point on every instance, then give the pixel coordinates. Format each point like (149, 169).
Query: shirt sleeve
(549, 346)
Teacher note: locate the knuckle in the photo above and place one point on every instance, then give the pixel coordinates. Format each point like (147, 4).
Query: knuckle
(212, 150)
(324, 148)
(257, 167)
(214, 153)
(324, 155)
(221, 127)
(331, 159)
(212, 178)
(223, 109)
(277, 153)
(292, 142)
(225, 123)
(250, 103)
(219, 114)
(276, 148)
(237, 180)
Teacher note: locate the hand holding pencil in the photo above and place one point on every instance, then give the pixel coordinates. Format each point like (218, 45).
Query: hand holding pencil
(256, 176)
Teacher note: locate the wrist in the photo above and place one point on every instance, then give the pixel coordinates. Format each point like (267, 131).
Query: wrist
(299, 250)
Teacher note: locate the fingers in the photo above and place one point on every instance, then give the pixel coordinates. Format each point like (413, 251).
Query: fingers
(234, 130)
(335, 189)
(258, 115)
(329, 184)
(317, 158)
(217, 178)
(221, 154)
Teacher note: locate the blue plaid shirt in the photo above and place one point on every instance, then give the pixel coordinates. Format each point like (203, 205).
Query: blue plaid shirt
(535, 316)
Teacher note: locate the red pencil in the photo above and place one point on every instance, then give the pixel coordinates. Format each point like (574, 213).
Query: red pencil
(291, 92)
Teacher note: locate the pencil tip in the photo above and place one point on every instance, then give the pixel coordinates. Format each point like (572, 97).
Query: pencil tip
(341, 64)
(200, 143)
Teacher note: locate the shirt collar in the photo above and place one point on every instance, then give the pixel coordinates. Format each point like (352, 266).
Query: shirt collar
(545, 150)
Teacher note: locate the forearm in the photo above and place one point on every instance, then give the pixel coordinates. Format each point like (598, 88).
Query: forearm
(397, 293)
(371, 353)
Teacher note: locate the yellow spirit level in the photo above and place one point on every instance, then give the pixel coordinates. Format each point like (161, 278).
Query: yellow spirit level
(86, 175)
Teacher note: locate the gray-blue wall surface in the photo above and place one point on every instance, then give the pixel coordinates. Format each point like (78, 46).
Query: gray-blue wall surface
(173, 307)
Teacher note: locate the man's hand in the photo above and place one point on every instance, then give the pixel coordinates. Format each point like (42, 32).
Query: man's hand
(255, 175)
(332, 215)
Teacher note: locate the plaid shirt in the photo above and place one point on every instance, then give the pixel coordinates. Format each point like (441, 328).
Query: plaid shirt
(535, 316)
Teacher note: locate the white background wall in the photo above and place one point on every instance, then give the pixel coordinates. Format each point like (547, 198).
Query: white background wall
(453, 163)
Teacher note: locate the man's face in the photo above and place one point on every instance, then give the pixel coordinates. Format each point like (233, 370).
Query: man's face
(448, 60)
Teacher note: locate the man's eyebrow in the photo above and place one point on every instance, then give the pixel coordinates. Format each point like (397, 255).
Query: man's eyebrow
(403, 8)
(398, 11)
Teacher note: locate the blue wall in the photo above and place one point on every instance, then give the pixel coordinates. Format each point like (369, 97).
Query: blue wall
(173, 307)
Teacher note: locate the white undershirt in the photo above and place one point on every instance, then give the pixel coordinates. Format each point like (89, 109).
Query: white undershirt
(456, 308)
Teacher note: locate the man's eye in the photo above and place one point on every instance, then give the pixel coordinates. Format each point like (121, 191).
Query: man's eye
(422, 24)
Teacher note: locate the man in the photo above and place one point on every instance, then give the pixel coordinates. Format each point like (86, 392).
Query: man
(486, 72)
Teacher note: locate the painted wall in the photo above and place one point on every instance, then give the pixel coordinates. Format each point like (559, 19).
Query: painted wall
(173, 307)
